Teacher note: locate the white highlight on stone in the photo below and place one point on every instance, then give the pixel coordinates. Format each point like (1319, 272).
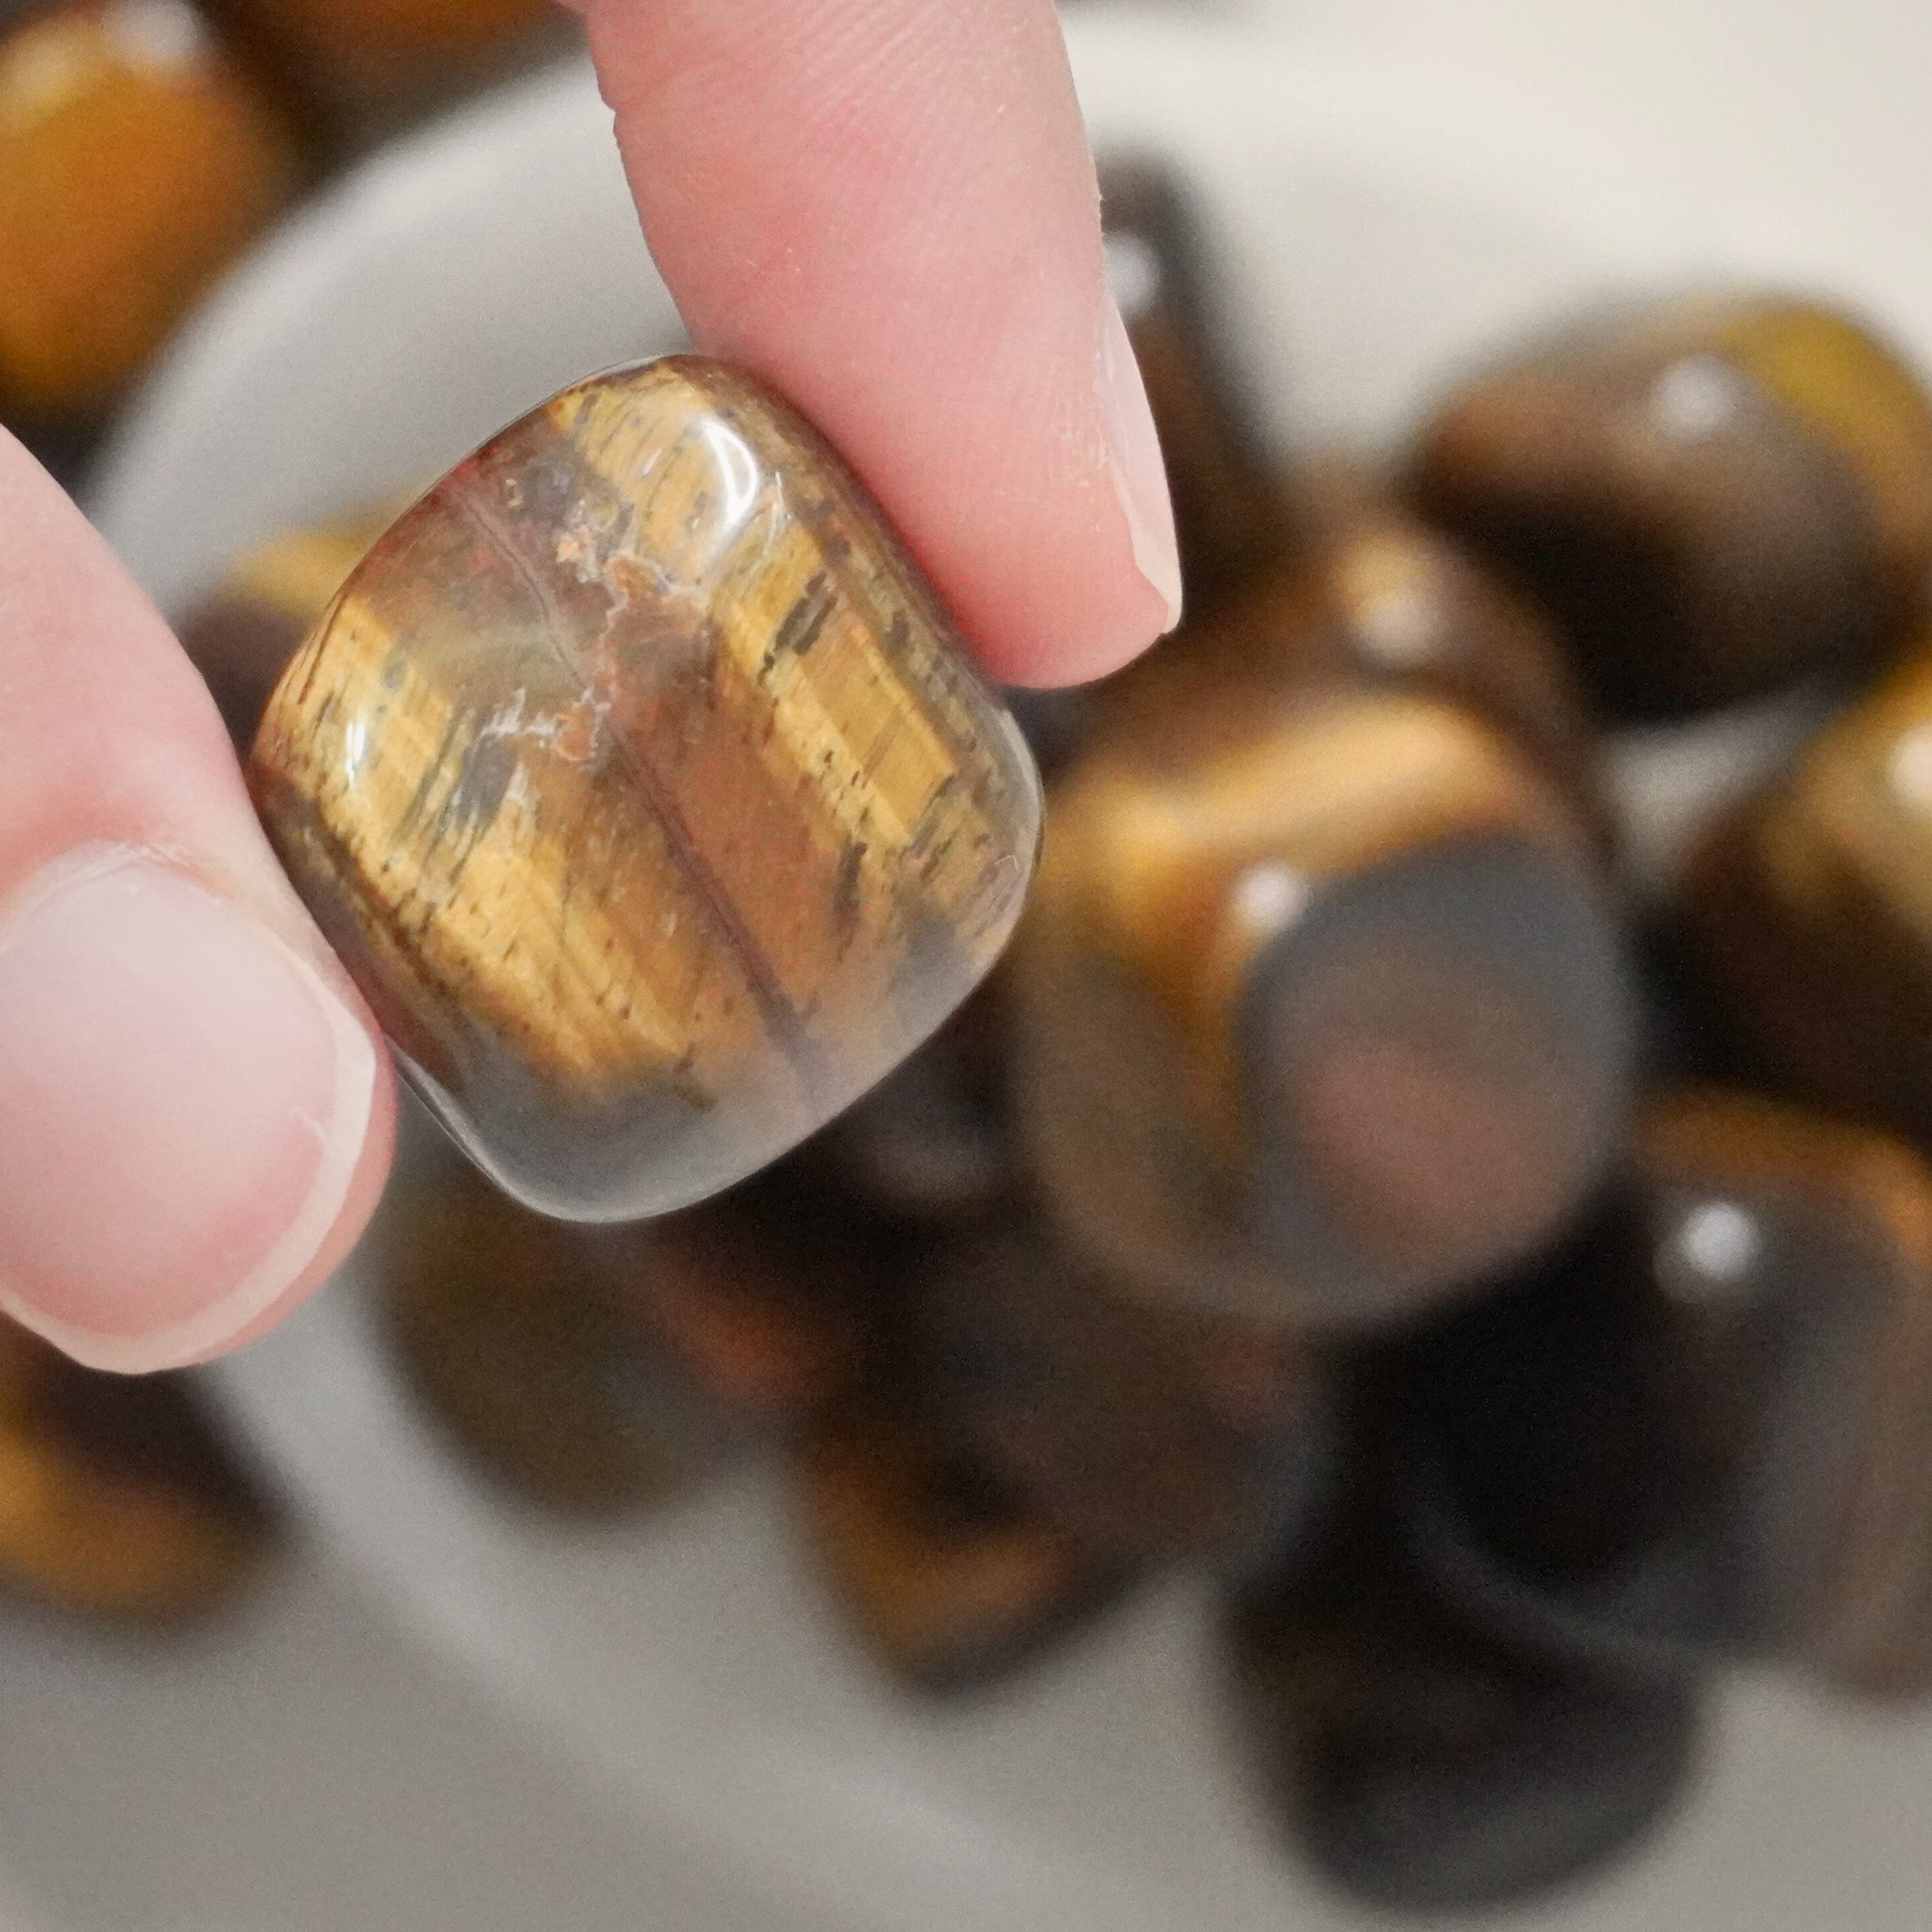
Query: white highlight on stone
(164, 34)
(1711, 1252)
(1133, 274)
(1270, 897)
(1695, 397)
(1908, 772)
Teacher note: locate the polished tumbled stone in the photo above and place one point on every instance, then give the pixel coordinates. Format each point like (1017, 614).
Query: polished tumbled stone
(1322, 1015)
(1701, 1429)
(642, 782)
(241, 635)
(1807, 909)
(137, 159)
(1712, 497)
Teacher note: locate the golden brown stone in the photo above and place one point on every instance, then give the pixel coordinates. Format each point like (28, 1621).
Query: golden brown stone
(135, 161)
(1370, 594)
(644, 785)
(115, 1498)
(1794, 1254)
(1811, 910)
(1705, 1429)
(943, 1569)
(1714, 496)
(1322, 1014)
(242, 636)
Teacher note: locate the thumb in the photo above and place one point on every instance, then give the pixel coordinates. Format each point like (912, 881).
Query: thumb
(195, 1112)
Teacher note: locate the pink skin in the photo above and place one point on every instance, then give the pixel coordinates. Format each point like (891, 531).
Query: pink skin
(887, 206)
(167, 1028)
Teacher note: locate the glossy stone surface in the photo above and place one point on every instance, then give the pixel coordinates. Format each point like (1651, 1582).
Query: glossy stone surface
(1810, 912)
(136, 160)
(1707, 1430)
(116, 1499)
(1423, 1764)
(241, 635)
(943, 1570)
(1152, 1435)
(1373, 596)
(1229, 517)
(643, 786)
(1712, 497)
(1321, 1011)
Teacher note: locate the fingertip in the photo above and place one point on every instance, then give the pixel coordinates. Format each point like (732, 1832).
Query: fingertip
(365, 1192)
(210, 1113)
(1045, 661)
(1140, 473)
(888, 208)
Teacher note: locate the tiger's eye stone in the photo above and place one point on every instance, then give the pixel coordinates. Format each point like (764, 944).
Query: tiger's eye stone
(1708, 1430)
(944, 1569)
(1712, 497)
(136, 160)
(1809, 910)
(1422, 1762)
(644, 785)
(1229, 517)
(1152, 1435)
(1321, 1011)
(116, 1498)
(1372, 596)
(242, 636)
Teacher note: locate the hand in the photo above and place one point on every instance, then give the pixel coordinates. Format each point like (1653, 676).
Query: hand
(884, 205)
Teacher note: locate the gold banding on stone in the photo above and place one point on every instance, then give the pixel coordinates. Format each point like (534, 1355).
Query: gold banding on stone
(642, 784)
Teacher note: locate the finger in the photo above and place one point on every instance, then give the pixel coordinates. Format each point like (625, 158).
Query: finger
(888, 208)
(196, 1113)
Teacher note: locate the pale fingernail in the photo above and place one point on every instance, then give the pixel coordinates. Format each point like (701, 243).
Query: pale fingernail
(1140, 477)
(182, 1103)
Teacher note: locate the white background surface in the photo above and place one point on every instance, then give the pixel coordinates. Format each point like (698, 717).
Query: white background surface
(1804, 122)
(313, 1766)
(303, 1767)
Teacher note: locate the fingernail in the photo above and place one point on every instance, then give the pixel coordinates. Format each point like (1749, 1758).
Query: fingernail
(1140, 477)
(183, 1104)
